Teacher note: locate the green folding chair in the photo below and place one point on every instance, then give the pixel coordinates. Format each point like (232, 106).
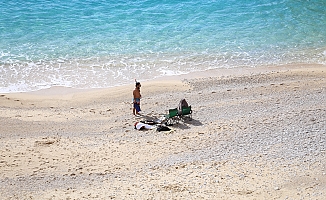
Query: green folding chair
(172, 117)
(186, 111)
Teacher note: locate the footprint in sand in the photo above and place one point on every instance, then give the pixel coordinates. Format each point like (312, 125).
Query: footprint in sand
(45, 142)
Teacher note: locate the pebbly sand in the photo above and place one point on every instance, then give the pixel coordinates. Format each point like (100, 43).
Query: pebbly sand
(254, 135)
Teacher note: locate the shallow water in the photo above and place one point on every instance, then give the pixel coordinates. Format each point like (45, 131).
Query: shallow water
(97, 44)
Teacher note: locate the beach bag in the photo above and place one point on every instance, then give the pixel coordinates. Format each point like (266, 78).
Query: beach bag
(183, 103)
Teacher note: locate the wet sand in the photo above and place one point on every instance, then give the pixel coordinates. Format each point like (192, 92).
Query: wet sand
(254, 134)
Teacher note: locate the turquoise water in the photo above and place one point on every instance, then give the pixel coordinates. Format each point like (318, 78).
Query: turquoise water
(97, 43)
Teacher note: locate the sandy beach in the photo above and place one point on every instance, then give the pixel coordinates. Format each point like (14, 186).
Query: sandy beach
(254, 134)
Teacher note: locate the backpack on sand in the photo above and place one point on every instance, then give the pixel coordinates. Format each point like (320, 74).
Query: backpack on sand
(183, 103)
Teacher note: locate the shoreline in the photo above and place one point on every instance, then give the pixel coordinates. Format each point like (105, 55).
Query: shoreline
(252, 136)
(66, 92)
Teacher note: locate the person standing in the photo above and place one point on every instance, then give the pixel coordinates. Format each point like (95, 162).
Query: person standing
(136, 93)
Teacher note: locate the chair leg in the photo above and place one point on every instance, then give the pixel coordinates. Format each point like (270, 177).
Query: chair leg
(169, 122)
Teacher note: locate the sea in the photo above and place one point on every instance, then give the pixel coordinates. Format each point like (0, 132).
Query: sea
(104, 43)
